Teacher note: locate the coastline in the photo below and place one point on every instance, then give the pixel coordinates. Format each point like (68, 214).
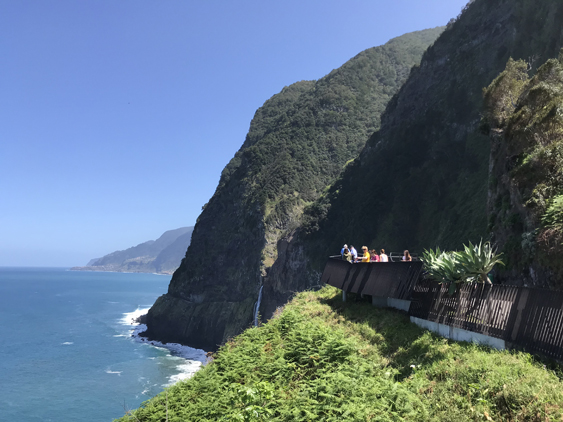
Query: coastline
(67, 349)
(194, 358)
(96, 270)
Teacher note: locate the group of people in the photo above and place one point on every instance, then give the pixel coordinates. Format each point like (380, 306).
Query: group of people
(351, 255)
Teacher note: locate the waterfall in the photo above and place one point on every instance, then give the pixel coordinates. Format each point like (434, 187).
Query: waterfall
(257, 306)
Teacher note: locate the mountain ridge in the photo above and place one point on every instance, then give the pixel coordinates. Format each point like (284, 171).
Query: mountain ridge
(161, 256)
(427, 168)
(298, 143)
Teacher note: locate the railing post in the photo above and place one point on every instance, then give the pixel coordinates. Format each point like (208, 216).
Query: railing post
(520, 306)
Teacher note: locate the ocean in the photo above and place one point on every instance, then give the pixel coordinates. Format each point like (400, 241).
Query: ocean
(66, 347)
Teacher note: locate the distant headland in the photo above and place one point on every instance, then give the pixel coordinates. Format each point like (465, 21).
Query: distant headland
(161, 256)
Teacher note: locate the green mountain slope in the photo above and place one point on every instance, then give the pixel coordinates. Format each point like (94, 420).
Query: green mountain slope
(321, 359)
(422, 179)
(298, 143)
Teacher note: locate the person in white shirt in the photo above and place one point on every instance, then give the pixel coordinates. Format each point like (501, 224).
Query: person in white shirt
(383, 257)
(354, 253)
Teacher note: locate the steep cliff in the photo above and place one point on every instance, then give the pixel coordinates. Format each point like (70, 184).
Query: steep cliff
(422, 179)
(524, 117)
(298, 143)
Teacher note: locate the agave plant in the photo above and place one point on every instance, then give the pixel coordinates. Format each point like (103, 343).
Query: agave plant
(443, 267)
(479, 260)
(432, 263)
(454, 268)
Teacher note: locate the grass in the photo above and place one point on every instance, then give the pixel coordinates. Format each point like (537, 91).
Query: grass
(324, 360)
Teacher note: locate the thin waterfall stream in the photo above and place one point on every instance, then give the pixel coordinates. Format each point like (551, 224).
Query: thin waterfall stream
(257, 306)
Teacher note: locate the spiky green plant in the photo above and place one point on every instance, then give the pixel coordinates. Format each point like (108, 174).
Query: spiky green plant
(443, 266)
(479, 260)
(470, 265)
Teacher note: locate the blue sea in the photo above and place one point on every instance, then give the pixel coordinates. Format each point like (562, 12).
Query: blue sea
(66, 347)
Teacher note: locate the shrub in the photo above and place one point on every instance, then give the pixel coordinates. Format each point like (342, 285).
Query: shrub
(473, 264)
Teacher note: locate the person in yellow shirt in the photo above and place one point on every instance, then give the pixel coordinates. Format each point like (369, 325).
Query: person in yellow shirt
(365, 257)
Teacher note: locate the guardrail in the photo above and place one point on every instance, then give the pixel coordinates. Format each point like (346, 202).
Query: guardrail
(524, 317)
(383, 279)
(393, 257)
(481, 308)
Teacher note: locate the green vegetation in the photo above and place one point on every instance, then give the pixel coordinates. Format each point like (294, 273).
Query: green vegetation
(472, 264)
(322, 359)
(423, 179)
(302, 138)
(298, 143)
(524, 117)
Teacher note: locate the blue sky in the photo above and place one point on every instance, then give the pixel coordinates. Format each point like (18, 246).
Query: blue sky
(117, 116)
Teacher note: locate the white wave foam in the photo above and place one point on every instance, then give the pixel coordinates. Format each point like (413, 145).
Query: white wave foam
(66, 343)
(130, 318)
(186, 371)
(108, 371)
(194, 358)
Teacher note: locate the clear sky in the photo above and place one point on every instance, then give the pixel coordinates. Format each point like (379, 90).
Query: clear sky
(117, 116)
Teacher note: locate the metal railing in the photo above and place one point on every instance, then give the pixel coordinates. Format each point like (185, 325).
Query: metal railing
(389, 279)
(526, 317)
(393, 257)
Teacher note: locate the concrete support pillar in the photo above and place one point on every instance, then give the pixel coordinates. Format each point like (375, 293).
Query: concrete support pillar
(343, 295)
(380, 302)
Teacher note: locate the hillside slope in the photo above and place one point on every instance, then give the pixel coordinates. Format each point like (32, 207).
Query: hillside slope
(422, 179)
(162, 255)
(297, 144)
(321, 359)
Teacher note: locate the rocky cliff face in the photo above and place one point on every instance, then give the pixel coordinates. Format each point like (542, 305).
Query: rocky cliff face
(298, 143)
(422, 179)
(525, 121)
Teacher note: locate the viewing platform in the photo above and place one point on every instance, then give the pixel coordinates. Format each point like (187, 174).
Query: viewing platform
(383, 281)
(500, 316)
